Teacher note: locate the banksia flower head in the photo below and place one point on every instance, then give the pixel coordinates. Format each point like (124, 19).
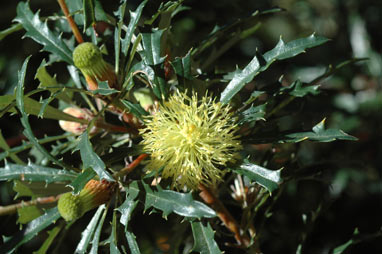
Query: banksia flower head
(94, 194)
(75, 127)
(88, 58)
(191, 140)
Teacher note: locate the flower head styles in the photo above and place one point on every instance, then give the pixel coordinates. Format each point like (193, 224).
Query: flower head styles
(88, 58)
(95, 193)
(190, 139)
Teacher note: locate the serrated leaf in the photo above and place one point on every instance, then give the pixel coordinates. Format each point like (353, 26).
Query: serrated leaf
(25, 145)
(5, 147)
(134, 18)
(182, 68)
(24, 117)
(252, 114)
(129, 204)
(90, 159)
(104, 89)
(31, 230)
(174, 202)
(38, 189)
(89, 231)
(319, 134)
(78, 184)
(269, 179)
(298, 90)
(151, 56)
(204, 241)
(113, 236)
(40, 32)
(89, 13)
(135, 109)
(287, 50)
(48, 242)
(27, 214)
(35, 173)
(133, 245)
(281, 51)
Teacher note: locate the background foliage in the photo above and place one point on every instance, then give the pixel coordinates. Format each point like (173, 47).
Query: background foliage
(336, 187)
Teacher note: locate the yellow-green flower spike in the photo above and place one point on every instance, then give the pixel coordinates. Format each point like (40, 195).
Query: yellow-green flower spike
(88, 58)
(192, 140)
(94, 194)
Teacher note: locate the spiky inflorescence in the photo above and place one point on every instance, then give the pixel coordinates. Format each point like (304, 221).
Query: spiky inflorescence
(191, 140)
(95, 193)
(88, 58)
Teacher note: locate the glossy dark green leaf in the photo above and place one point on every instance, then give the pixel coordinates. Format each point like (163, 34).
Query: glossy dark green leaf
(182, 68)
(134, 18)
(104, 89)
(89, 231)
(319, 134)
(113, 239)
(135, 109)
(35, 173)
(12, 29)
(151, 56)
(204, 241)
(31, 230)
(281, 51)
(129, 205)
(297, 89)
(252, 114)
(269, 179)
(40, 32)
(175, 202)
(89, 13)
(78, 184)
(90, 159)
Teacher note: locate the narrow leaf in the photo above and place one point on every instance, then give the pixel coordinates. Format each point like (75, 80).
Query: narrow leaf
(269, 179)
(297, 89)
(40, 32)
(133, 245)
(89, 13)
(320, 134)
(24, 117)
(48, 242)
(281, 51)
(252, 114)
(36, 173)
(90, 159)
(204, 241)
(97, 234)
(89, 231)
(134, 18)
(180, 203)
(129, 205)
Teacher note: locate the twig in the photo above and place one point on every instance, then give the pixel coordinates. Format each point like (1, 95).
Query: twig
(131, 166)
(71, 22)
(223, 214)
(11, 209)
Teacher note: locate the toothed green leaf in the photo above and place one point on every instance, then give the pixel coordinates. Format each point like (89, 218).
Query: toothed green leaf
(204, 241)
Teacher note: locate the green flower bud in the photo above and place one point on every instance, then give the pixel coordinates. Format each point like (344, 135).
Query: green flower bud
(88, 58)
(94, 194)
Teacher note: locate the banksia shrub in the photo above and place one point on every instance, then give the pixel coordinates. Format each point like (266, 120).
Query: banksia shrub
(146, 123)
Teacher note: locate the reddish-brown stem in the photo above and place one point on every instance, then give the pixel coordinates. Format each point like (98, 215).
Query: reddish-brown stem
(223, 214)
(11, 209)
(115, 128)
(71, 22)
(131, 166)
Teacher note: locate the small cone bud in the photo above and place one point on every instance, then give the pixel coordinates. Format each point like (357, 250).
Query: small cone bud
(88, 58)
(94, 194)
(75, 127)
